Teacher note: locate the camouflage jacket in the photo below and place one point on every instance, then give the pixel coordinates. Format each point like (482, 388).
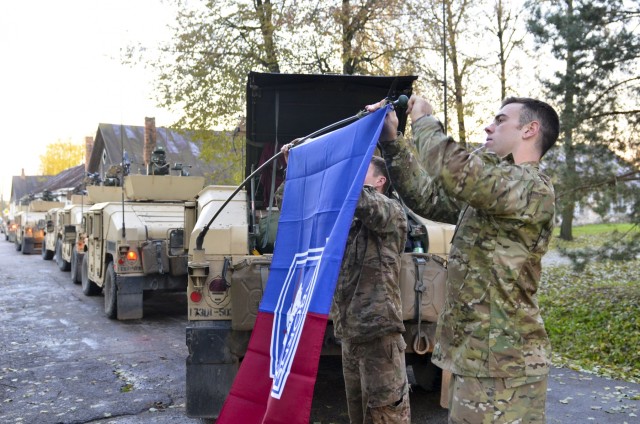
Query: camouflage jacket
(490, 325)
(366, 303)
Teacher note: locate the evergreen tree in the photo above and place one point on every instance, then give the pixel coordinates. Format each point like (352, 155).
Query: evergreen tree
(597, 49)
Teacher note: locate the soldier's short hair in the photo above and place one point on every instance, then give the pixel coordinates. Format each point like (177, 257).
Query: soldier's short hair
(537, 110)
(380, 168)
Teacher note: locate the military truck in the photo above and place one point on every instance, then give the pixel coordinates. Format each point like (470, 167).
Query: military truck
(50, 234)
(31, 225)
(70, 237)
(229, 271)
(130, 244)
(10, 230)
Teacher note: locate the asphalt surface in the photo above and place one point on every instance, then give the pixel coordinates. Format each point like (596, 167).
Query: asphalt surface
(62, 361)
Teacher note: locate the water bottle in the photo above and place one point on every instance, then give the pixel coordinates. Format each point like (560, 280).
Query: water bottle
(417, 247)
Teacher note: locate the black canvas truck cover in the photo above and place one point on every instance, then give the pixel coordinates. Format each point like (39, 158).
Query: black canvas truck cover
(282, 107)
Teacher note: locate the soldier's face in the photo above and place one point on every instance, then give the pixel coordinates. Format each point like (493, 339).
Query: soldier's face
(505, 132)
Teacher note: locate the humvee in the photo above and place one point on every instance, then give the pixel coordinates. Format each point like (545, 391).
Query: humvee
(130, 244)
(31, 225)
(10, 231)
(50, 234)
(70, 236)
(228, 272)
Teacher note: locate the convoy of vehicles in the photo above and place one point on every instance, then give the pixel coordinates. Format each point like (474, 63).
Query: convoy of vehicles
(229, 266)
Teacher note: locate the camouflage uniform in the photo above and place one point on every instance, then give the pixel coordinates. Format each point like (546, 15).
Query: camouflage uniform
(367, 315)
(490, 326)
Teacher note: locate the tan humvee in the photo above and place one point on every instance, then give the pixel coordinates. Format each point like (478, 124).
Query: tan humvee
(31, 225)
(129, 244)
(64, 238)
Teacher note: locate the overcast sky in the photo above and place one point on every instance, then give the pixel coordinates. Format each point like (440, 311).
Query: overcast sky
(61, 73)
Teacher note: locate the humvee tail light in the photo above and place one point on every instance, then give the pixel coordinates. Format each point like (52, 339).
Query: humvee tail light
(132, 256)
(196, 297)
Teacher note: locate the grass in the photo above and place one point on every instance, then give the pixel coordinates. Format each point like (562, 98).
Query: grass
(590, 235)
(592, 317)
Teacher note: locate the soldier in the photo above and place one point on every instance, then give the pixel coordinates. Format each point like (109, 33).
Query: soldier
(366, 307)
(490, 335)
(158, 164)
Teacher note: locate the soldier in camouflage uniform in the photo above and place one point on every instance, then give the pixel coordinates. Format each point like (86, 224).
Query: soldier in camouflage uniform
(490, 334)
(366, 307)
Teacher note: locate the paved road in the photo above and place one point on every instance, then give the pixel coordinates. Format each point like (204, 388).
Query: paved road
(62, 361)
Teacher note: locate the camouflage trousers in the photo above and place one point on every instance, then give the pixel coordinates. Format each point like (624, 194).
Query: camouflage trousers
(375, 378)
(519, 400)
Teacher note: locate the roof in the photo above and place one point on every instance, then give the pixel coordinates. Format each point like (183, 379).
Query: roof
(69, 178)
(24, 185)
(111, 139)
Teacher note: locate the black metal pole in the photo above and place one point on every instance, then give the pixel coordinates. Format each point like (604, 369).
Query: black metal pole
(444, 55)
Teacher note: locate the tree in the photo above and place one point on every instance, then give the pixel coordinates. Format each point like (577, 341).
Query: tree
(598, 51)
(454, 18)
(61, 155)
(357, 37)
(203, 73)
(509, 39)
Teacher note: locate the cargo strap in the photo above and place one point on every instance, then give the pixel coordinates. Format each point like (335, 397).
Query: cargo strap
(421, 340)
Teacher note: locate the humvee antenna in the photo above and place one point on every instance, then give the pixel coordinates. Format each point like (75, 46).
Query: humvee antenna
(401, 102)
(124, 230)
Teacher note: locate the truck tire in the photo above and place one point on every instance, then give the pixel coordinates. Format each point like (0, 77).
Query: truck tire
(427, 374)
(23, 247)
(110, 293)
(76, 277)
(62, 264)
(47, 255)
(18, 245)
(89, 288)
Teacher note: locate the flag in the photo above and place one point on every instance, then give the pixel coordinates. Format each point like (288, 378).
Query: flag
(323, 183)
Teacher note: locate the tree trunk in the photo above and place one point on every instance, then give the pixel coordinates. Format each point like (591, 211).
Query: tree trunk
(265, 15)
(457, 75)
(566, 226)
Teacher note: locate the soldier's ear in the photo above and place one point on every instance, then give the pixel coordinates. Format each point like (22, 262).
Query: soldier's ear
(531, 130)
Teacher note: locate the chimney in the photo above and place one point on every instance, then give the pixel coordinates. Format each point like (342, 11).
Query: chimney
(22, 175)
(150, 136)
(88, 148)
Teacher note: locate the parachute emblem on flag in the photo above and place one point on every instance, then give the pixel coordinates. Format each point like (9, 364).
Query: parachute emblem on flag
(299, 286)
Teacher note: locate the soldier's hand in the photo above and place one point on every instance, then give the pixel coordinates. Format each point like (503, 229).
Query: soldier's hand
(390, 128)
(418, 107)
(285, 151)
(372, 108)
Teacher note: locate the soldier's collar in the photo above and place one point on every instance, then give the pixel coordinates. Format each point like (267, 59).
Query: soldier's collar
(509, 158)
